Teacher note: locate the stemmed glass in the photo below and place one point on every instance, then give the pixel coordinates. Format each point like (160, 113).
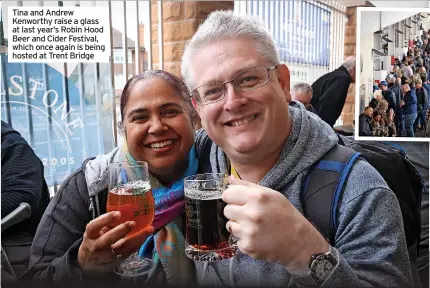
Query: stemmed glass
(130, 193)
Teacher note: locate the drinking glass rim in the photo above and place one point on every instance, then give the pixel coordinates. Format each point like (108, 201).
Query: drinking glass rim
(188, 178)
(138, 164)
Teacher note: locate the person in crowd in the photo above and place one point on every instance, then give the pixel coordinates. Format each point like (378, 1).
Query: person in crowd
(377, 97)
(401, 77)
(426, 84)
(396, 69)
(365, 127)
(22, 181)
(157, 122)
(419, 42)
(331, 89)
(409, 109)
(426, 46)
(426, 63)
(302, 92)
(22, 175)
(387, 118)
(394, 86)
(378, 126)
(407, 71)
(422, 104)
(268, 164)
(421, 70)
(389, 95)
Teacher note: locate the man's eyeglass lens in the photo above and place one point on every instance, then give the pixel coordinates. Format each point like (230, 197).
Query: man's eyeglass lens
(245, 80)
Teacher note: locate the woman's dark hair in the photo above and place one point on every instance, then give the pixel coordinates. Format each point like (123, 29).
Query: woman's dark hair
(377, 113)
(380, 112)
(173, 80)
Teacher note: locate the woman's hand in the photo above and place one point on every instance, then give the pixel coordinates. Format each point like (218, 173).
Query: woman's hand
(105, 245)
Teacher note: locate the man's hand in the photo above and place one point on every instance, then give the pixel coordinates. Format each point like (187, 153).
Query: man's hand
(269, 227)
(102, 237)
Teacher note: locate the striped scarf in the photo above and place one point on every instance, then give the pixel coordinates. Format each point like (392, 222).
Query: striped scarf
(168, 243)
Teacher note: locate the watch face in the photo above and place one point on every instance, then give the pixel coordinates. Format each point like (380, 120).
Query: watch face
(323, 266)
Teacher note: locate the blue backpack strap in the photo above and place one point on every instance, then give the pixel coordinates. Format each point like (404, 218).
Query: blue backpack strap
(322, 188)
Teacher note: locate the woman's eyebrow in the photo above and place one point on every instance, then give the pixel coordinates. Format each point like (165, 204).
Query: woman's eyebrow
(170, 104)
(138, 110)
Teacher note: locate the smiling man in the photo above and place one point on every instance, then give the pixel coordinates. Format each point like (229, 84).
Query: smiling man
(240, 91)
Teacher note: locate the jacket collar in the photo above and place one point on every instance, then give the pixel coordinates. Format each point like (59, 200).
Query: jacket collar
(96, 171)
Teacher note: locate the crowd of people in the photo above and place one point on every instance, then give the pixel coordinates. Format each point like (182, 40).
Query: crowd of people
(400, 103)
(234, 80)
(326, 96)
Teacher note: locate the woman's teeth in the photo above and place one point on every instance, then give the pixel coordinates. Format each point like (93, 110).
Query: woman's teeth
(159, 145)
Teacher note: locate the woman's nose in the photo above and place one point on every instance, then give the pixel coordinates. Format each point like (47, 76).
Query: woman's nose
(157, 126)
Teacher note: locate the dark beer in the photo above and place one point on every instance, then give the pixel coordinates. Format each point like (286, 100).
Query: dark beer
(206, 233)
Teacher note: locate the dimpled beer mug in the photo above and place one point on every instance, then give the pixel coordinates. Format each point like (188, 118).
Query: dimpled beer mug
(206, 233)
(130, 193)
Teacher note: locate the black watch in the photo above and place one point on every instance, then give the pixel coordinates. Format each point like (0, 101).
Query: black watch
(320, 267)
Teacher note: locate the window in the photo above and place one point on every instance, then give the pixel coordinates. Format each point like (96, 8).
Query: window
(118, 57)
(119, 81)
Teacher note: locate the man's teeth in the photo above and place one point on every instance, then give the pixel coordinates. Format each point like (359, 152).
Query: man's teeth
(159, 145)
(242, 121)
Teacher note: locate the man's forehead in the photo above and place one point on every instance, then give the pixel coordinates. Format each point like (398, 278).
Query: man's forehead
(225, 72)
(223, 59)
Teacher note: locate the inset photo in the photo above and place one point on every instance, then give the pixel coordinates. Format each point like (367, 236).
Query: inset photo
(393, 83)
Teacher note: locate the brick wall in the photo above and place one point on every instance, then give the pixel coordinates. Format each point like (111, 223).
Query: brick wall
(348, 111)
(180, 21)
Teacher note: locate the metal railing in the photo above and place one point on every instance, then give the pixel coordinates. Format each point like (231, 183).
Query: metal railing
(42, 100)
(309, 34)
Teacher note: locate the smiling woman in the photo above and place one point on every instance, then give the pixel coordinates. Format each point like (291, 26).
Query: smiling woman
(157, 122)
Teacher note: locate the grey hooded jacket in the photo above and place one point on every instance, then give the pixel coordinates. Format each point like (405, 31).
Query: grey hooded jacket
(370, 242)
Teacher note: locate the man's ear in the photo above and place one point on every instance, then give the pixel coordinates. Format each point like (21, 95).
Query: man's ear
(196, 107)
(284, 80)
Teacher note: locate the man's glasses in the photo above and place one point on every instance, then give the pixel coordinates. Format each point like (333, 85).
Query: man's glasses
(246, 80)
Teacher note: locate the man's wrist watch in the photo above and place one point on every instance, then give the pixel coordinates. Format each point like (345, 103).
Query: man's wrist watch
(320, 267)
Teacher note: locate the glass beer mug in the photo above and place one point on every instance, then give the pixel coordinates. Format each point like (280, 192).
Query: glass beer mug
(206, 233)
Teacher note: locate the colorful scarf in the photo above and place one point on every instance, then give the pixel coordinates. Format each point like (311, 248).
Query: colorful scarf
(168, 243)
